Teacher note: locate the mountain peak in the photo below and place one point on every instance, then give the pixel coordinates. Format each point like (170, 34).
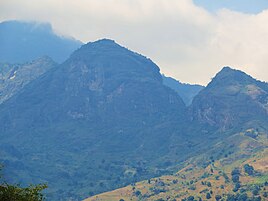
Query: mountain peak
(230, 76)
(102, 46)
(106, 55)
(103, 43)
(227, 71)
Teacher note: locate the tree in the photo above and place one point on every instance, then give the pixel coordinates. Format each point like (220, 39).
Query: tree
(17, 193)
(10, 192)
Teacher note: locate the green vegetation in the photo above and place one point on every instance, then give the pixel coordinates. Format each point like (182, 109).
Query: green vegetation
(10, 192)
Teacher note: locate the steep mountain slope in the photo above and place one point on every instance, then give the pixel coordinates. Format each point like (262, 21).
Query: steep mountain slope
(99, 121)
(232, 99)
(186, 91)
(24, 41)
(13, 77)
(235, 169)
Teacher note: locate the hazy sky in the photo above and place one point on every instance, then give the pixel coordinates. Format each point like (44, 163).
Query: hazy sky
(189, 40)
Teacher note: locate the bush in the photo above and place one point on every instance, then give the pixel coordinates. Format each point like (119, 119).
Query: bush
(137, 193)
(190, 198)
(235, 178)
(249, 169)
(217, 197)
(243, 196)
(235, 171)
(237, 186)
(208, 184)
(208, 196)
(255, 192)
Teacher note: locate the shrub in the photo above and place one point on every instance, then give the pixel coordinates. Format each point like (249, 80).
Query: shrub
(208, 196)
(208, 184)
(217, 197)
(235, 178)
(190, 198)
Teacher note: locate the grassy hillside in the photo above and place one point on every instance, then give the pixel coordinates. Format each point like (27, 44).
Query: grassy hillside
(233, 170)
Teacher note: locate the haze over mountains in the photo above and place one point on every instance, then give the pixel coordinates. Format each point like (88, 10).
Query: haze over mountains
(106, 117)
(25, 41)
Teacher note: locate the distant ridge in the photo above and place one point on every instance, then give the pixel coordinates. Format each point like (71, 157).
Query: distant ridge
(186, 91)
(14, 77)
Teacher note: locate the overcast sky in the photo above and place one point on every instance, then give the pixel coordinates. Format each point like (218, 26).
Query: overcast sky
(189, 40)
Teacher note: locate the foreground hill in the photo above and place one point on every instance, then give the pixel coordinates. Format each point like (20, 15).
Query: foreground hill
(99, 121)
(13, 77)
(24, 41)
(236, 169)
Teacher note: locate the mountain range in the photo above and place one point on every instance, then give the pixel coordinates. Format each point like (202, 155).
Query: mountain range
(106, 118)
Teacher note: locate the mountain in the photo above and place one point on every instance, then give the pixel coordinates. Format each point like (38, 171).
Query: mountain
(186, 91)
(232, 100)
(13, 77)
(25, 41)
(99, 121)
(104, 119)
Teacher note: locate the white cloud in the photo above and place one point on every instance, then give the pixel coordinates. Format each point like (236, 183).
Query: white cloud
(186, 41)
